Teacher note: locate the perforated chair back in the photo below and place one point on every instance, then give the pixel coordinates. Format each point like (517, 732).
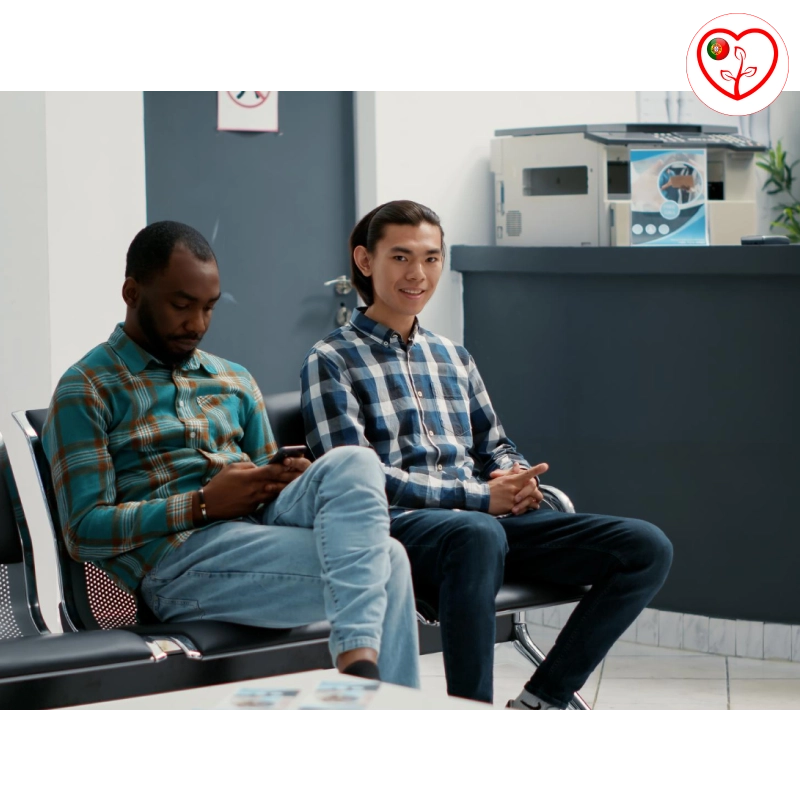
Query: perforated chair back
(90, 600)
(19, 603)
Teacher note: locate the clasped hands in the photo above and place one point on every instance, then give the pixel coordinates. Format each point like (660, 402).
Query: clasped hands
(515, 490)
(239, 489)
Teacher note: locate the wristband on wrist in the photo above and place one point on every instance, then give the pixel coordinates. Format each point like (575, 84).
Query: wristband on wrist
(203, 511)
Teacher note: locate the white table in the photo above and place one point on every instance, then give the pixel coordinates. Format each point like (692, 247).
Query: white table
(388, 696)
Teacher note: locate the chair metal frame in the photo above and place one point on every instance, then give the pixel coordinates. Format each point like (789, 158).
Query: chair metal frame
(31, 592)
(66, 600)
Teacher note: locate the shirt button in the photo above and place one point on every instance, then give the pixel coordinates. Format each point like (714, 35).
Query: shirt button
(180, 403)
(419, 394)
(192, 435)
(439, 467)
(386, 344)
(430, 433)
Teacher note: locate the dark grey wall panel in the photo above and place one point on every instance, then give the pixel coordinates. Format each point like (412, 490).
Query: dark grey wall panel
(278, 207)
(673, 398)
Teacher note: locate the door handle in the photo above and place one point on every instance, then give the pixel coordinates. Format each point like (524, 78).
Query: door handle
(341, 285)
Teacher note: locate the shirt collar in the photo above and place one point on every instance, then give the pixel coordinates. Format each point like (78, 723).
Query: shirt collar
(137, 358)
(381, 333)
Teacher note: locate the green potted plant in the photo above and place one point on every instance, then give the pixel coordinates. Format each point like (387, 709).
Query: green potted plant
(780, 181)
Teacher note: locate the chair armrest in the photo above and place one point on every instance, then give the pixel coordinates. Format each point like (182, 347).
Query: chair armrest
(557, 499)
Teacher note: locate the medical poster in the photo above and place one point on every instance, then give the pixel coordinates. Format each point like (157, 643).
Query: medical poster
(247, 111)
(668, 197)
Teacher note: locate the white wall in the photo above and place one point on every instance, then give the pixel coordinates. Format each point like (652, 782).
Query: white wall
(96, 205)
(24, 304)
(71, 199)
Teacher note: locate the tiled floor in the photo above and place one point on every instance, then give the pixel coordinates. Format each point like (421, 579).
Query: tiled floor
(638, 676)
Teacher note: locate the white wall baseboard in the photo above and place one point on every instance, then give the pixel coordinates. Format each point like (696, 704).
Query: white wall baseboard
(699, 634)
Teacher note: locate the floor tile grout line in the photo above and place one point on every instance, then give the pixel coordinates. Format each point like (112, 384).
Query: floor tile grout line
(728, 681)
(674, 678)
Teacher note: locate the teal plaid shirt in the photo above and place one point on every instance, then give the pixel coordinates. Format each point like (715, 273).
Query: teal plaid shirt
(130, 439)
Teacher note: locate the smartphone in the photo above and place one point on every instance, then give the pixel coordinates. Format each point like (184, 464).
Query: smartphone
(289, 451)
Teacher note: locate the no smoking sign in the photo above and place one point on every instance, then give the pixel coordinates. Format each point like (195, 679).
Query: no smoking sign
(247, 111)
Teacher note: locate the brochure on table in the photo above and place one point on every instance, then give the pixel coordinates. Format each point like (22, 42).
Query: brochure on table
(339, 693)
(668, 197)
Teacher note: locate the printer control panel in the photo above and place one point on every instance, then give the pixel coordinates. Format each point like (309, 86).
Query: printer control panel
(730, 141)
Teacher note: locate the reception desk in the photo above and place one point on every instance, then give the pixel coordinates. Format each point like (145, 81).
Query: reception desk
(660, 383)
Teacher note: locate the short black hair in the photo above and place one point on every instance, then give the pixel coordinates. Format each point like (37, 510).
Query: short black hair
(151, 248)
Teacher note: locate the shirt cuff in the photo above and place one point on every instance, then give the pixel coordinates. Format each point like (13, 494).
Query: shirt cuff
(179, 512)
(507, 462)
(477, 496)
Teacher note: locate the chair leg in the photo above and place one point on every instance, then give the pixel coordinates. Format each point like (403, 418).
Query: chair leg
(525, 645)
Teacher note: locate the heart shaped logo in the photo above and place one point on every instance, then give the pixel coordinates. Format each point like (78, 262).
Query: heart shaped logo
(740, 54)
(737, 64)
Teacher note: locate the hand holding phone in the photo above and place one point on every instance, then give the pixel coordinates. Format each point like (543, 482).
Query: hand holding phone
(289, 451)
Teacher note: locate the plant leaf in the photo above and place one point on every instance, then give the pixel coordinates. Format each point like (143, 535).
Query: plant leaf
(792, 230)
(739, 53)
(726, 75)
(780, 179)
(749, 72)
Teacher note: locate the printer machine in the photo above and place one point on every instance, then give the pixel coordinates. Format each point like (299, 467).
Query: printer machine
(570, 185)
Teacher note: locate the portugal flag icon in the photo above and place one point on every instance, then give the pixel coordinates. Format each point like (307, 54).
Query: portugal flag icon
(718, 48)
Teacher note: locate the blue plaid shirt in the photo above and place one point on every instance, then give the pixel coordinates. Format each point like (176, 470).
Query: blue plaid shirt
(422, 406)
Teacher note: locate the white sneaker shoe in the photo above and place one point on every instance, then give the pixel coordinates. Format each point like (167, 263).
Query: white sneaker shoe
(521, 705)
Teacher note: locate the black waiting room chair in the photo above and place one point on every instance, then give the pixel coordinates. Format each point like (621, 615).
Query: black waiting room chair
(201, 653)
(39, 669)
(218, 652)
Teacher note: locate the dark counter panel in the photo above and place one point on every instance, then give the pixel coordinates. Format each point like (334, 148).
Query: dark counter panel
(669, 397)
(760, 261)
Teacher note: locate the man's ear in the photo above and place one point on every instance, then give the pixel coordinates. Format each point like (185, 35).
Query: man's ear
(131, 293)
(362, 259)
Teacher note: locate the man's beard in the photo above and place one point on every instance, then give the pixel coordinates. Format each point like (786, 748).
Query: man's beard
(157, 345)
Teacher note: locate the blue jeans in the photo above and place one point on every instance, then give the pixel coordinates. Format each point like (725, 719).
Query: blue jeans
(459, 560)
(320, 551)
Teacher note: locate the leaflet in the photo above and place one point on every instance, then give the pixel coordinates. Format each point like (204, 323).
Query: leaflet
(669, 192)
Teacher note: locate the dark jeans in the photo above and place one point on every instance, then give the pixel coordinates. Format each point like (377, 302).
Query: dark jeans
(460, 558)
